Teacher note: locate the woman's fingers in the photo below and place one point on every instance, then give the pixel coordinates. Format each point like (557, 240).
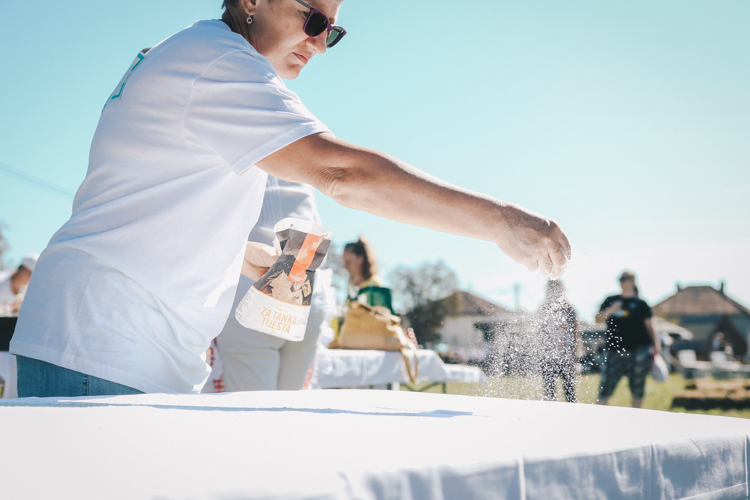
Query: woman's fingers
(559, 260)
(532, 266)
(535, 242)
(545, 265)
(555, 250)
(564, 245)
(258, 258)
(258, 254)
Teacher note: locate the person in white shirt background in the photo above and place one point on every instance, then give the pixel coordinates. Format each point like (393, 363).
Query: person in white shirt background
(12, 290)
(131, 290)
(13, 283)
(254, 361)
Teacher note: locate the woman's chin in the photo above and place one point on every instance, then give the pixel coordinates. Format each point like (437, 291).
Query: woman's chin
(290, 72)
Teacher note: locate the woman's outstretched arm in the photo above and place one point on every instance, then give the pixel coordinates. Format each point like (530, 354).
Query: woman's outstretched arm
(374, 182)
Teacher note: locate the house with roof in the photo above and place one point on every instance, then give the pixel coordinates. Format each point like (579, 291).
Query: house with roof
(707, 311)
(467, 324)
(468, 319)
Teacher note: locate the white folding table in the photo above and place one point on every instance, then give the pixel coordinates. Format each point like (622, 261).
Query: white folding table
(347, 368)
(346, 444)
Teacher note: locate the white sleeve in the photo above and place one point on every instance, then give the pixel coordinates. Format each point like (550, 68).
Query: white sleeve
(241, 110)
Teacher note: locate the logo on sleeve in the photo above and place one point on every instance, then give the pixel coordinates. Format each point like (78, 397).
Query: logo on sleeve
(117, 93)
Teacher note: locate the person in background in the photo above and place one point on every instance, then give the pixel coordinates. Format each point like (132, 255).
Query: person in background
(561, 338)
(631, 341)
(255, 361)
(361, 263)
(720, 343)
(12, 289)
(13, 284)
(364, 283)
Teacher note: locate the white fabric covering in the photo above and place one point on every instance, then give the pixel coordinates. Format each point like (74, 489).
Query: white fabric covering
(335, 368)
(368, 444)
(463, 373)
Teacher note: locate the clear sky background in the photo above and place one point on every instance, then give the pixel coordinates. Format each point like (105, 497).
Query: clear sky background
(627, 122)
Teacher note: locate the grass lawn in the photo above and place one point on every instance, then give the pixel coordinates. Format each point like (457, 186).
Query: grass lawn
(658, 395)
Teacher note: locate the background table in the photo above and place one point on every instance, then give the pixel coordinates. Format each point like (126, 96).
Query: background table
(336, 368)
(365, 445)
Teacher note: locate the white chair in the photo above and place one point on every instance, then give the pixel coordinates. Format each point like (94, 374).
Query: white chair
(718, 358)
(723, 368)
(691, 367)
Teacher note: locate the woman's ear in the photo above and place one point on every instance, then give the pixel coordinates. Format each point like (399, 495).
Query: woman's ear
(249, 6)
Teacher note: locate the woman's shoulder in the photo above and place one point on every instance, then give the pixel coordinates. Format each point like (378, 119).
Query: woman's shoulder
(204, 43)
(642, 302)
(373, 280)
(609, 300)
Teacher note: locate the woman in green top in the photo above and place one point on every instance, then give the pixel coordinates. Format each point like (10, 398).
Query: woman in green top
(362, 264)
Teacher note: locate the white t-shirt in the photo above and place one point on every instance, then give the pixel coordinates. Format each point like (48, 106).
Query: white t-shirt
(136, 284)
(283, 199)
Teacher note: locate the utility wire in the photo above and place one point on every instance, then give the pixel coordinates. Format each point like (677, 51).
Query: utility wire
(36, 181)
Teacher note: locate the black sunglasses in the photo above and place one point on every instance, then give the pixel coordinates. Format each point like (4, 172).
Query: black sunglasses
(317, 22)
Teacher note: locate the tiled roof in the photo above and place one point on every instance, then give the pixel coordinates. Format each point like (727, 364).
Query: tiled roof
(660, 325)
(467, 304)
(701, 300)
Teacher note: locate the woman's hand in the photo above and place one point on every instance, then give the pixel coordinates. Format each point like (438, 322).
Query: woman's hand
(533, 241)
(604, 315)
(258, 258)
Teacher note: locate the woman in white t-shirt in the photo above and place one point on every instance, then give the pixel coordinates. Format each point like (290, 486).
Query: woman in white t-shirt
(130, 291)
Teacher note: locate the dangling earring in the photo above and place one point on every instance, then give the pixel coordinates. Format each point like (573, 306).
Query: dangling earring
(249, 19)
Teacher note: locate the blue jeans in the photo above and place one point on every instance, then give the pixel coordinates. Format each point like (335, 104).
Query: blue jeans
(44, 380)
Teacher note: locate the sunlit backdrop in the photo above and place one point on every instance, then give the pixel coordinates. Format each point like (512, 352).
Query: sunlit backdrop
(627, 122)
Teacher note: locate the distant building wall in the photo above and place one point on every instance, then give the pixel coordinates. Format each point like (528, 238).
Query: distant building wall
(460, 331)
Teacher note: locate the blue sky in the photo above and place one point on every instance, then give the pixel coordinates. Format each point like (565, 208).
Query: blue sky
(629, 123)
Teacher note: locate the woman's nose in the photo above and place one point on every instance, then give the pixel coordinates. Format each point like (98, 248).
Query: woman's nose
(319, 42)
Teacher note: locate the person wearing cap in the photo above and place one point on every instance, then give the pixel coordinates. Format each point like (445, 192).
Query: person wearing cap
(13, 284)
(12, 288)
(631, 341)
(129, 293)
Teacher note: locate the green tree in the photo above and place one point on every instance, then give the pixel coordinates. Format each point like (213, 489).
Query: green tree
(417, 294)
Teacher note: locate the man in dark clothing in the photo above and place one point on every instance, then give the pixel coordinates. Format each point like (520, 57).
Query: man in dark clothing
(630, 340)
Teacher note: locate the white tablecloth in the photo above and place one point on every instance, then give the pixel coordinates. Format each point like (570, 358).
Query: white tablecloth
(363, 444)
(334, 368)
(463, 373)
